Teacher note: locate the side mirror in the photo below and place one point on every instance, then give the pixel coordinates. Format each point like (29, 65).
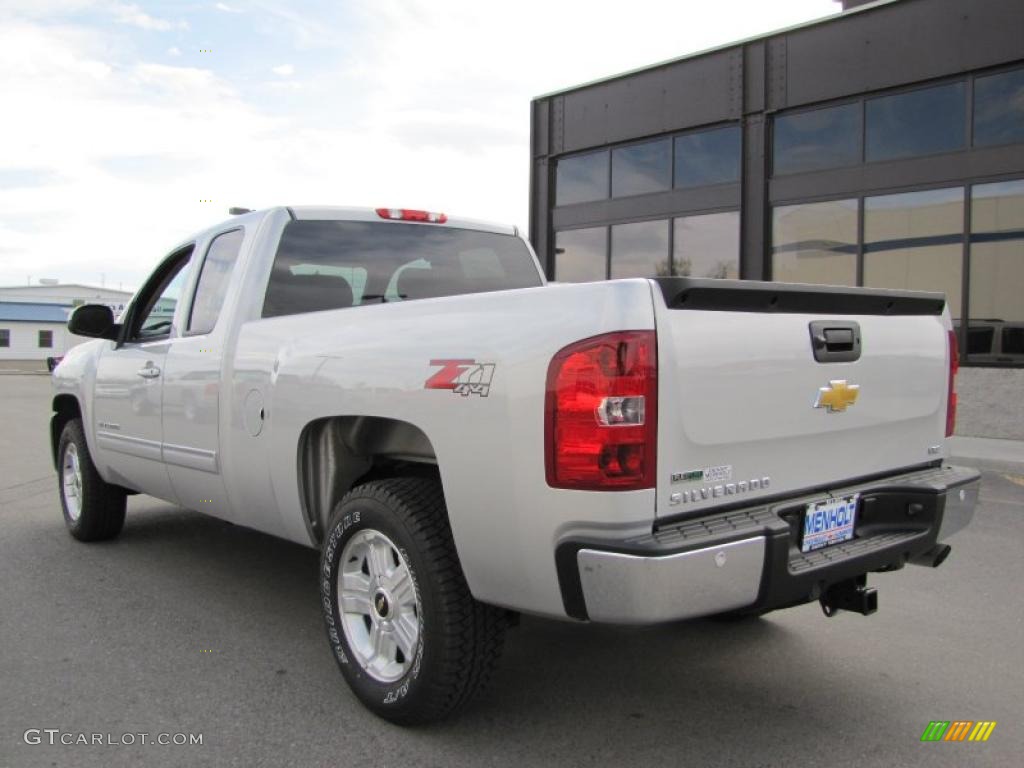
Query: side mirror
(95, 321)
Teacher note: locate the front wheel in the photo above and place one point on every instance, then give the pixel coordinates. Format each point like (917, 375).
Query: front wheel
(93, 508)
(410, 640)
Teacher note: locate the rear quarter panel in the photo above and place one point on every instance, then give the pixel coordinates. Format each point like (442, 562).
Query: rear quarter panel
(375, 360)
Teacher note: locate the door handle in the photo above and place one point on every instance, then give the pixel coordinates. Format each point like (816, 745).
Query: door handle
(835, 341)
(149, 372)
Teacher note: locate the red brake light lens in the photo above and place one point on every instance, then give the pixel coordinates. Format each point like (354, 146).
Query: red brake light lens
(408, 214)
(601, 413)
(954, 366)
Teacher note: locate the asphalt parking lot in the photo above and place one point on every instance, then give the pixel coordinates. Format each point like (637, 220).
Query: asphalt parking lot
(189, 625)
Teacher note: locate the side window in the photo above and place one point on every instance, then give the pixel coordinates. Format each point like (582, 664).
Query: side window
(153, 311)
(213, 281)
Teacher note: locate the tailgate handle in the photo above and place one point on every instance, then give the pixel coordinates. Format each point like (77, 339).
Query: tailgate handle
(835, 341)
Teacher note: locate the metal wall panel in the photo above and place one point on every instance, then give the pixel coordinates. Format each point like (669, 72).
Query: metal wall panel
(754, 71)
(775, 77)
(699, 91)
(754, 211)
(540, 118)
(897, 44)
(540, 177)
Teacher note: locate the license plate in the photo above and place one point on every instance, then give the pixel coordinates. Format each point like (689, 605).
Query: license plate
(828, 522)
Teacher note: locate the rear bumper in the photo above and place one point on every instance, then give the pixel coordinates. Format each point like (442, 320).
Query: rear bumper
(749, 558)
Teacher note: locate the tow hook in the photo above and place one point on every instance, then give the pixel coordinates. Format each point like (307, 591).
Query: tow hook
(853, 595)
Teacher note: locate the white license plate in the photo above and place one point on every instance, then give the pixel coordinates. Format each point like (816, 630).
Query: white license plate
(828, 522)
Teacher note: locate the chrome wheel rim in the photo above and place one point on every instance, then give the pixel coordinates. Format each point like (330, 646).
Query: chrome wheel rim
(379, 605)
(72, 481)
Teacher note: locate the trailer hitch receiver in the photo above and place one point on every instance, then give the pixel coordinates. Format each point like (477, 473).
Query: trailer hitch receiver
(853, 595)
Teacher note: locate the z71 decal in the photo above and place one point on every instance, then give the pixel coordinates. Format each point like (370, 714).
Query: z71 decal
(463, 377)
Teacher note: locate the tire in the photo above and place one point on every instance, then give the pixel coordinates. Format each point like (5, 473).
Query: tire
(93, 508)
(435, 646)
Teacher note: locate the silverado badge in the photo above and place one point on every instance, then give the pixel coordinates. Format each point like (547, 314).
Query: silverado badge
(837, 396)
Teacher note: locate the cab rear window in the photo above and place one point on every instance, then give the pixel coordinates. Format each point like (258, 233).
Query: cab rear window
(338, 264)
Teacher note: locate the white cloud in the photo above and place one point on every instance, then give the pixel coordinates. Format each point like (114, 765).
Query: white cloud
(136, 17)
(226, 8)
(285, 70)
(467, 100)
(174, 51)
(148, 142)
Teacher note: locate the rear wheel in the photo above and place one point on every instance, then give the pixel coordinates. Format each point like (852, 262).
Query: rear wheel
(409, 638)
(93, 508)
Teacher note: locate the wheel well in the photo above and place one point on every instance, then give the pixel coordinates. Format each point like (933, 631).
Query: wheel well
(339, 453)
(65, 408)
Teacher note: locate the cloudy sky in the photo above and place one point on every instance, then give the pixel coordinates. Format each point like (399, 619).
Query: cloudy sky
(127, 126)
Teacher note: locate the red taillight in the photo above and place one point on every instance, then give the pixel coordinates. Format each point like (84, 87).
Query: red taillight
(407, 214)
(601, 413)
(954, 366)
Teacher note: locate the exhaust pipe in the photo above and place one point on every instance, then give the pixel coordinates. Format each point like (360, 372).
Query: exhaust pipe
(853, 595)
(934, 557)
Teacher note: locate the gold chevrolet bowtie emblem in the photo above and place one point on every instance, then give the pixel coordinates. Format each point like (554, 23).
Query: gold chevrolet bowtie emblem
(837, 396)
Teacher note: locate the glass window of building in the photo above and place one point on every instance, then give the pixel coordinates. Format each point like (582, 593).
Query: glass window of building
(582, 178)
(926, 121)
(815, 243)
(816, 139)
(999, 108)
(914, 240)
(581, 255)
(707, 157)
(707, 245)
(5, 337)
(996, 303)
(640, 249)
(46, 339)
(642, 168)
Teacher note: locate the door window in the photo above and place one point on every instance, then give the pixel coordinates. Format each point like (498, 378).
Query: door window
(153, 312)
(213, 281)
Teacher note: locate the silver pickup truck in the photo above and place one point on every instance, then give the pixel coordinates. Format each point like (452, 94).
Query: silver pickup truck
(463, 441)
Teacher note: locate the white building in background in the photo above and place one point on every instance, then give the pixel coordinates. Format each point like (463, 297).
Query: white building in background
(33, 318)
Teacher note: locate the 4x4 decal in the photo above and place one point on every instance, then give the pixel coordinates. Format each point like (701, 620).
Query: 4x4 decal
(463, 377)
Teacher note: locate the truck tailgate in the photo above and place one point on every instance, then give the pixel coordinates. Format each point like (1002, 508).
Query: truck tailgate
(746, 411)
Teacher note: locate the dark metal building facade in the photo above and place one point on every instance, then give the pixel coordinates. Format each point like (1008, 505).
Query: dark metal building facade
(881, 147)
